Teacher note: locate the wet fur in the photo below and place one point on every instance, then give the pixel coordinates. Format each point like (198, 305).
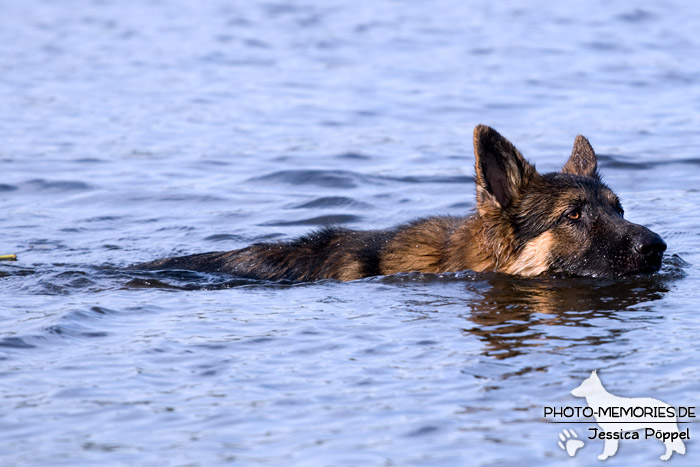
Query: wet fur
(522, 226)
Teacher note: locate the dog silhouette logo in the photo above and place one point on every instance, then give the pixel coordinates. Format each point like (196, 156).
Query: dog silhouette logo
(621, 417)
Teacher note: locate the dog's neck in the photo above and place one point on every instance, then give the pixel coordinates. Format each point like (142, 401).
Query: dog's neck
(494, 237)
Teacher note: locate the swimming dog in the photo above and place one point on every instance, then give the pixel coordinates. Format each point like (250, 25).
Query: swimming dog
(525, 223)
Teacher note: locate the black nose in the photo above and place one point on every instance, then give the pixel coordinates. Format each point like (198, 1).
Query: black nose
(650, 245)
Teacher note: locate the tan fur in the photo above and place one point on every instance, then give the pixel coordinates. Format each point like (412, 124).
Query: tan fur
(420, 247)
(350, 271)
(455, 244)
(493, 243)
(534, 257)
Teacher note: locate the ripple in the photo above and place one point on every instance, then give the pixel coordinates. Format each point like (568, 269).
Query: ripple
(102, 219)
(190, 198)
(353, 156)
(74, 332)
(224, 237)
(332, 219)
(616, 162)
(348, 179)
(15, 343)
(57, 185)
(150, 284)
(459, 179)
(332, 202)
(636, 16)
(322, 178)
(613, 162)
(423, 431)
(165, 280)
(76, 324)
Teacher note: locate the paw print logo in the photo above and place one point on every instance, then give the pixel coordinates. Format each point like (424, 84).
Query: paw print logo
(569, 442)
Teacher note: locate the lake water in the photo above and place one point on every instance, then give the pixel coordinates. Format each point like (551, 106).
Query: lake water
(135, 130)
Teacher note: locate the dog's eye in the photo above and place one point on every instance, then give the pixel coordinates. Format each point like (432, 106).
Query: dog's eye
(574, 214)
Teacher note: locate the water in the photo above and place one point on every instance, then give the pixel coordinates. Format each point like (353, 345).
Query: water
(137, 130)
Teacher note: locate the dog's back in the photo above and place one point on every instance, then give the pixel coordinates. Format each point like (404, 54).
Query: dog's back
(331, 253)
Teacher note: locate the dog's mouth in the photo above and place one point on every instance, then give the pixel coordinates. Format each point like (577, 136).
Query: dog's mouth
(649, 263)
(648, 269)
(637, 266)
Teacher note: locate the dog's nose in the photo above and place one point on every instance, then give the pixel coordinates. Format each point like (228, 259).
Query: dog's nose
(650, 245)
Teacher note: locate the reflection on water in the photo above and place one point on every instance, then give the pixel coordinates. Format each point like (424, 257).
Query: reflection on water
(512, 314)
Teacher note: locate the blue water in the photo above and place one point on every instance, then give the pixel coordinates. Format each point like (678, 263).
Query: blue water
(136, 130)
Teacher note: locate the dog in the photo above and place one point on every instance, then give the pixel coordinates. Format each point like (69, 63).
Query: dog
(613, 428)
(525, 223)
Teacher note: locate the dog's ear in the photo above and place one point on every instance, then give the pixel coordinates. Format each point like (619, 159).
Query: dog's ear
(501, 171)
(583, 160)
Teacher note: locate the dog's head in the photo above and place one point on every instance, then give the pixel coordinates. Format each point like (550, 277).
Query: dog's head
(563, 222)
(589, 386)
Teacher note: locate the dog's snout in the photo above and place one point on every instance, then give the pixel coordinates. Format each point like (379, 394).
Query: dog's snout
(650, 245)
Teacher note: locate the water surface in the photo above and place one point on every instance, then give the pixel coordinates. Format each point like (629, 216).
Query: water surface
(138, 130)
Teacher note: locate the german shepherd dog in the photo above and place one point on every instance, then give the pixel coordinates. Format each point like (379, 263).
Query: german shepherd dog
(525, 223)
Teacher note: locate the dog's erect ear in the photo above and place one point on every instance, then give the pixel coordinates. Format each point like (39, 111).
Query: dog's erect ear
(500, 168)
(583, 160)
